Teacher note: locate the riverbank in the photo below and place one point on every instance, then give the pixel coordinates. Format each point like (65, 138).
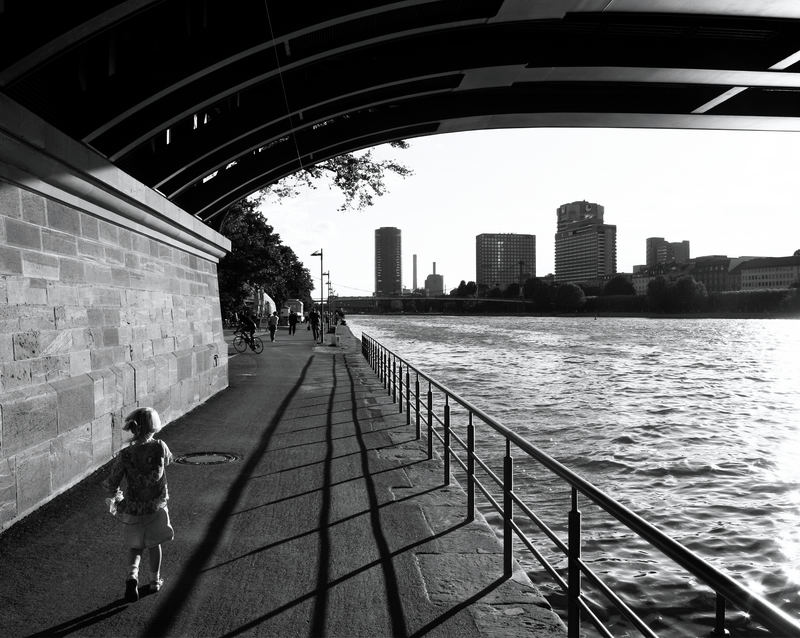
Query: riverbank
(327, 519)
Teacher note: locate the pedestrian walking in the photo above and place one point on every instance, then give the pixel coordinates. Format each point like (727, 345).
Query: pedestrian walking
(142, 505)
(313, 318)
(272, 324)
(292, 322)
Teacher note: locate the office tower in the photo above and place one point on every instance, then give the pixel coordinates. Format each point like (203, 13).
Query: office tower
(586, 248)
(660, 251)
(388, 263)
(414, 282)
(434, 284)
(504, 258)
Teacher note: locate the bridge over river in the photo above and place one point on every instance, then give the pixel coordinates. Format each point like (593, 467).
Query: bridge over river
(128, 127)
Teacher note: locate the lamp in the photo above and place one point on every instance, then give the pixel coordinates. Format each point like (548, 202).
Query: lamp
(318, 253)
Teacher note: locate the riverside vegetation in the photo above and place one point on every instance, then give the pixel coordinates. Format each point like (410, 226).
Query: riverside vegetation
(684, 296)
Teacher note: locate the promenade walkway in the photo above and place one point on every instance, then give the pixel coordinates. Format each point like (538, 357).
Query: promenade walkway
(332, 522)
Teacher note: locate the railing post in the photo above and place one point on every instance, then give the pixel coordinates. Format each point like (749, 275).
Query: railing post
(383, 367)
(719, 624)
(447, 439)
(574, 570)
(393, 382)
(400, 377)
(430, 421)
(470, 469)
(508, 512)
(416, 402)
(408, 397)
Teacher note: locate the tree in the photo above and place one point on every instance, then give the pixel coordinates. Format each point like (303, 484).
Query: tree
(512, 291)
(657, 294)
(619, 285)
(538, 291)
(570, 297)
(690, 294)
(257, 259)
(461, 291)
(359, 176)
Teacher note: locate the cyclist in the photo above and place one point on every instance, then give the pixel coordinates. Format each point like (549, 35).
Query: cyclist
(247, 325)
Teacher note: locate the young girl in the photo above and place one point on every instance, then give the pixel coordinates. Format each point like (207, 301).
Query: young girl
(143, 508)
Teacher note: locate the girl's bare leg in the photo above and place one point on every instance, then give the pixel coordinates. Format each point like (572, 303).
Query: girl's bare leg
(134, 558)
(155, 562)
(131, 582)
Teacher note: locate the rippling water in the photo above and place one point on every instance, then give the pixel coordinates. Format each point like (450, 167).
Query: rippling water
(693, 424)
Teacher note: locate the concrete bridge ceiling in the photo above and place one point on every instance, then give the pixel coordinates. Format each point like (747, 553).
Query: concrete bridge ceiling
(208, 100)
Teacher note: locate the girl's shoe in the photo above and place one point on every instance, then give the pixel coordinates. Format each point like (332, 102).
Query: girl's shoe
(131, 590)
(156, 585)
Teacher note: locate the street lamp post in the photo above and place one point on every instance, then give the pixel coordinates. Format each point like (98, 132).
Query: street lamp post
(318, 253)
(327, 304)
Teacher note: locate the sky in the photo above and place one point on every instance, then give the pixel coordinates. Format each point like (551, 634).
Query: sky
(733, 193)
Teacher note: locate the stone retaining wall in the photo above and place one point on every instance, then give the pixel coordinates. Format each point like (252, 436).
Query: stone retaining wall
(95, 319)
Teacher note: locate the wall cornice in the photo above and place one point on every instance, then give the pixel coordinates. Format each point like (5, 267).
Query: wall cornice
(39, 158)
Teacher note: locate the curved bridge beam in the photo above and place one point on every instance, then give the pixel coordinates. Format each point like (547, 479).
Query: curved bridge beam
(207, 102)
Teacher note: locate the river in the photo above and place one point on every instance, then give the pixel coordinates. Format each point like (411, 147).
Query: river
(692, 423)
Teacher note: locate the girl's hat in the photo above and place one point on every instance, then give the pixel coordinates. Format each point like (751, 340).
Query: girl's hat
(143, 421)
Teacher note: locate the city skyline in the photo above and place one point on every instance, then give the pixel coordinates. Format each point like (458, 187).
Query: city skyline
(726, 192)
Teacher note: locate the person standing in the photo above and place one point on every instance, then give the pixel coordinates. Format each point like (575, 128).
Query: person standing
(142, 507)
(292, 322)
(272, 324)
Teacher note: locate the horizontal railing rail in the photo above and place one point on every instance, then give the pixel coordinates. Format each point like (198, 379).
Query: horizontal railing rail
(395, 373)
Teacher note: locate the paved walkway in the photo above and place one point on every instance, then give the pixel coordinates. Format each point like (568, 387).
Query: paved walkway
(331, 523)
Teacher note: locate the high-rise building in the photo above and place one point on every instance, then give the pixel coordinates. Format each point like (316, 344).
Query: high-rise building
(660, 251)
(434, 284)
(414, 281)
(388, 262)
(586, 247)
(504, 258)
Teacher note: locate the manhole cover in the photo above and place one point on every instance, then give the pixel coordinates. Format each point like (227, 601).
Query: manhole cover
(207, 458)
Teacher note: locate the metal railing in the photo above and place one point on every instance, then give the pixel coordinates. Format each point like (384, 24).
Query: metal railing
(402, 381)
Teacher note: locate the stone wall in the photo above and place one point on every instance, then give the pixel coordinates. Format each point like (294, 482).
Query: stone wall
(95, 319)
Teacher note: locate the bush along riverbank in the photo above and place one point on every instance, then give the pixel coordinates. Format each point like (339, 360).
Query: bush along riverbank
(675, 301)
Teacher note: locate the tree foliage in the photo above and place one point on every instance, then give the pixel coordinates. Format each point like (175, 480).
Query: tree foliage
(570, 297)
(681, 296)
(359, 176)
(619, 285)
(258, 258)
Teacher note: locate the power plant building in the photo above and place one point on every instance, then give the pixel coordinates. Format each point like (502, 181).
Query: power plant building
(388, 262)
(434, 284)
(504, 258)
(586, 247)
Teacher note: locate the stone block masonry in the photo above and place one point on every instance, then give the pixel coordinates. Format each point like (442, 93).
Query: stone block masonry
(96, 318)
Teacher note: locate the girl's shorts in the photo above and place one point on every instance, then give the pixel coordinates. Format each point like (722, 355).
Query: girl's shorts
(149, 530)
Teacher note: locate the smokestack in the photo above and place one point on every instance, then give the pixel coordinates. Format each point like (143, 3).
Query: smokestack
(434, 267)
(414, 286)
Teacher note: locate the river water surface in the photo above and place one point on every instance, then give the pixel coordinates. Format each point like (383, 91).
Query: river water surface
(692, 423)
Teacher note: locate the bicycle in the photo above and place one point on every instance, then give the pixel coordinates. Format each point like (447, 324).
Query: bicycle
(241, 341)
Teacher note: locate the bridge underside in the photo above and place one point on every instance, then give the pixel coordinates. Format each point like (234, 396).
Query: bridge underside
(206, 101)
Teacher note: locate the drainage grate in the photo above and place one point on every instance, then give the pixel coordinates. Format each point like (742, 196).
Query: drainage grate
(207, 458)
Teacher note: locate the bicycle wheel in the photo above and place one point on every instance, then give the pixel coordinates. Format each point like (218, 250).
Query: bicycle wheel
(257, 345)
(239, 344)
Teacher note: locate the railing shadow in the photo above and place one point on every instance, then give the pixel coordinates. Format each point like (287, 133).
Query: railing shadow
(165, 615)
(84, 620)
